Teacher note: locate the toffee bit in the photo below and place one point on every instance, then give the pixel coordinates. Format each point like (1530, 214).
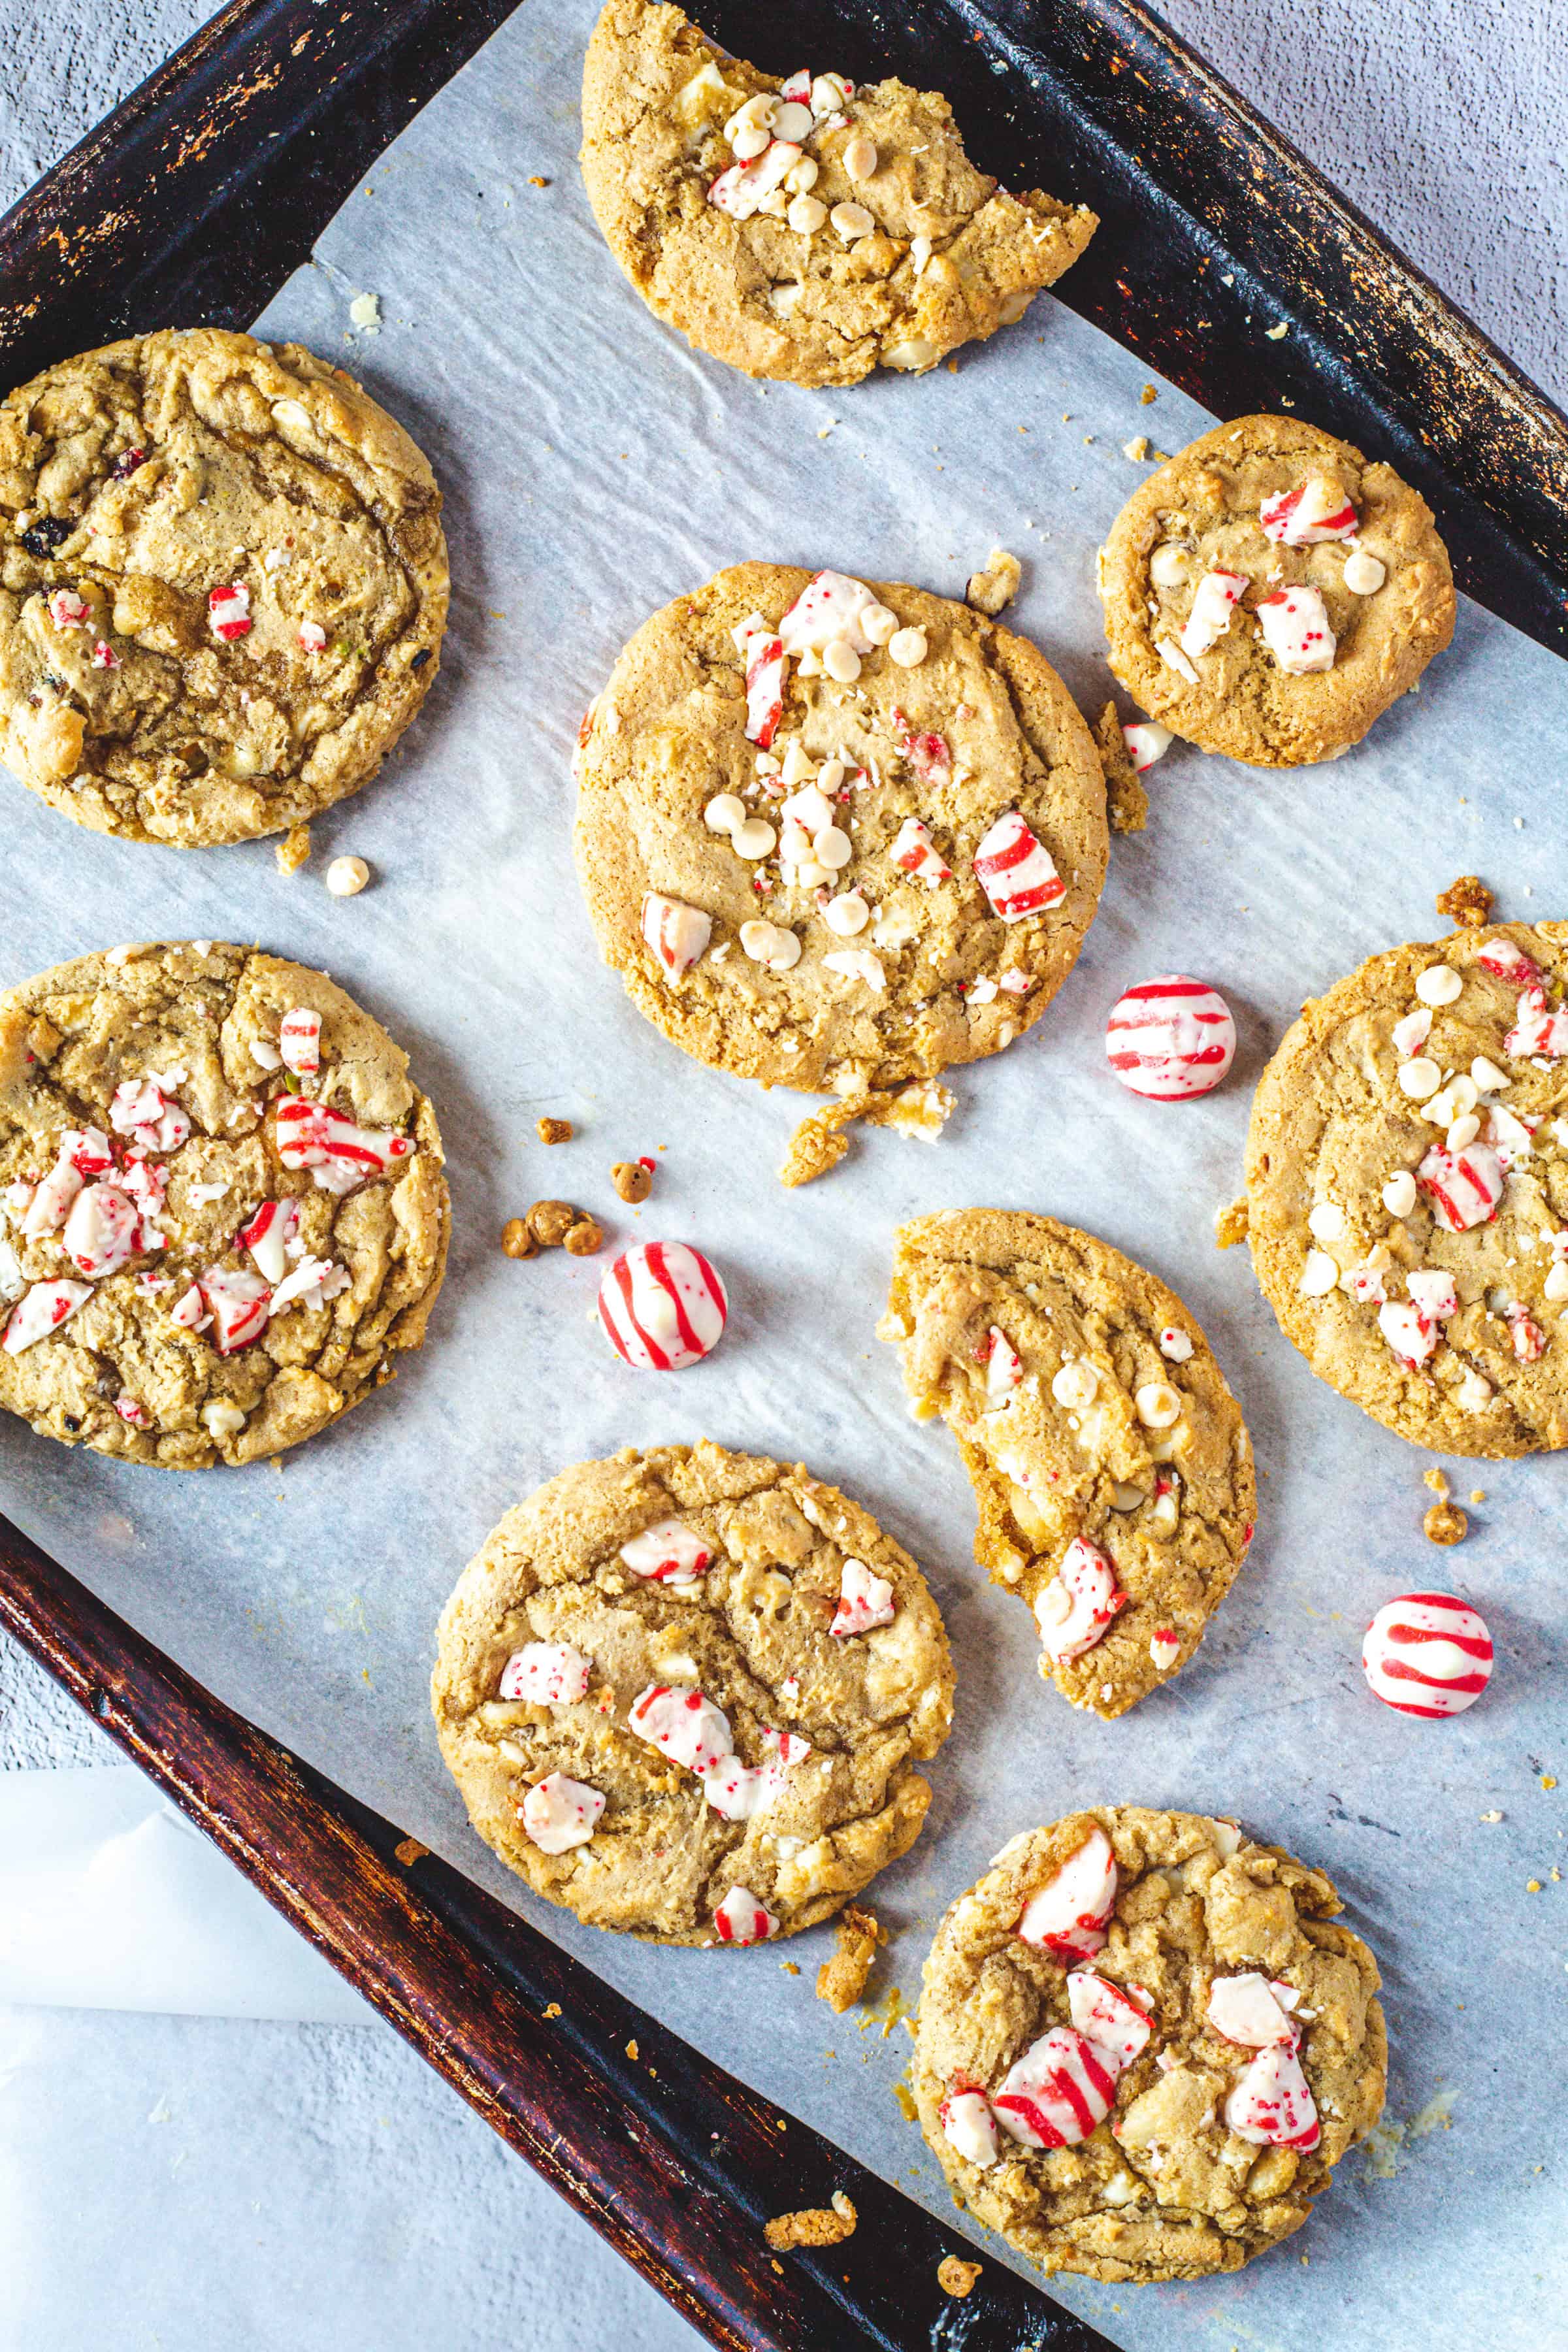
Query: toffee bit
(555, 1130)
(954, 2276)
(584, 1238)
(1467, 902)
(549, 1222)
(516, 1240)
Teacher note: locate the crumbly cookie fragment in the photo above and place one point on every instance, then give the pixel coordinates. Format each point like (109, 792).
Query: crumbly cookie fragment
(1144, 2043)
(841, 1981)
(1111, 1468)
(1467, 902)
(820, 1141)
(683, 1692)
(804, 229)
(835, 835)
(1407, 1189)
(222, 586)
(818, 2225)
(1268, 594)
(1126, 801)
(222, 1205)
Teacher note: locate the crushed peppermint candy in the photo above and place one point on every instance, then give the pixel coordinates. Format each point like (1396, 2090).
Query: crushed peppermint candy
(1539, 1029)
(969, 2125)
(300, 1041)
(228, 612)
(145, 1111)
(1107, 2016)
(667, 1552)
(831, 609)
(927, 754)
(40, 1310)
(682, 1725)
(1295, 625)
(864, 1601)
(915, 851)
(1003, 1365)
(1074, 1609)
(1271, 2104)
(1170, 1038)
(1146, 741)
(339, 1154)
(545, 1674)
(1316, 509)
(103, 1231)
(663, 1306)
(238, 1304)
(741, 1920)
(1247, 2009)
(1069, 1914)
(314, 1282)
(677, 933)
(1014, 868)
(1464, 1187)
(1059, 2091)
(267, 1232)
(103, 656)
(67, 610)
(312, 636)
(1214, 601)
(559, 1814)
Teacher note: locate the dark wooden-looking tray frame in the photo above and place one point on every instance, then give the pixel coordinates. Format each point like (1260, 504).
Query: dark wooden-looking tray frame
(192, 203)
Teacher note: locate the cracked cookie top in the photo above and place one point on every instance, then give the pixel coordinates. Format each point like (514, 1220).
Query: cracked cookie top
(1268, 593)
(836, 833)
(683, 1692)
(222, 1205)
(805, 228)
(1144, 2043)
(222, 586)
(1407, 1189)
(1111, 1468)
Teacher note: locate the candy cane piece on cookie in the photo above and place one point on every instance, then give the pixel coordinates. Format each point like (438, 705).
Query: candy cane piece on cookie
(1014, 868)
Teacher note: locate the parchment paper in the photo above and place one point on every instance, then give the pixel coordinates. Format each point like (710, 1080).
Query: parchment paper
(594, 467)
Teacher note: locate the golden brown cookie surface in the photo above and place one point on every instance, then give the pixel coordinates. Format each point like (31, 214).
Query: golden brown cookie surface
(1111, 1468)
(222, 1205)
(683, 1692)
(1268, 593)
(804, 229)
(1161, 2093)
(222, 586)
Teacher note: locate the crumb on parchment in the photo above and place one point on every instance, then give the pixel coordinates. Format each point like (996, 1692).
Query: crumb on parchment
(920, 1110)
(841, 1981)
(1231, 1225)
(815, 2225)
(993, 588)
(293, 850)
(555, 1130)
(1445, 1523)
(1126, 801)
(956, 2276)
(1467, 902)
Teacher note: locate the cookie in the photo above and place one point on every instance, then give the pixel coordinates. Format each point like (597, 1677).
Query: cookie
(223, 586)
(222, 1210)
(1111, 1468)
(835, 835)
(1407, 1189)
(683, 1692)
(1145, 2042)
(804, 229)
(1268, 594)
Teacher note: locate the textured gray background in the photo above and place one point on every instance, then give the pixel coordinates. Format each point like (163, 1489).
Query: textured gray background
(272, 2186)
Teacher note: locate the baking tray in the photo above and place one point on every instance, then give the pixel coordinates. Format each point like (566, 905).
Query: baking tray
(195, 201)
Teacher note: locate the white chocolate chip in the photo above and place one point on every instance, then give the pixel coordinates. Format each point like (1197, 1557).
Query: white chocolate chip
(793, 122)
(1365, 576)
(860, 157)
(1420, 1079)
(801, 177)
(753, 839)
(724, 812)
(221, 1418)
(852, 221)
(847, 914)
(1555, 1286)
(346, 877)
(832, 848)
(1327, 1222)
(749, 141)
(908, 647)
(1075, 1384)
(1463, 1132)
(1157, 1404)
(1488, 1077)
(1439, 984)
(806, 214)
(878, 623)
(1319, 1275)
(770, 944)
(1169, 565)
(841, 661)
(1399, 1193)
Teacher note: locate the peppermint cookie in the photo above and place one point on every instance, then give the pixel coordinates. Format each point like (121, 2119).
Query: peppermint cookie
(837, 834)
(223, 586)
(683, 1692)
(1144, 2043)
(1268, 593)
(805, 228)
(222, 1209)
(1407, 1189)
(1111, 1468)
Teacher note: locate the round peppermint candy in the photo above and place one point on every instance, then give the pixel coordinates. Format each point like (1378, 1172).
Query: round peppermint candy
(663, 1306)
(1170, 1037)
(1427, 1653)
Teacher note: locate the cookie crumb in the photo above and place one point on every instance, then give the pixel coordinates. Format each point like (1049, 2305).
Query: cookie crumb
(1137, 448)
(516, 1240)
(632, 2052)
(993, 590)
(551, 2009)
(584, 1238)
(549, 1222)
(1445, 1523)
(1147, 397)
(364, 311)
(1126, 801)
(956, 2277)
(815, 2225)
(293, 851)
(790, 1968)
(555, 1130)
(841, 1981)
(1478, 1494)
(407, 1850)
(1467, 902)
(537, 180)
(1231, 1225)
(631, 1179)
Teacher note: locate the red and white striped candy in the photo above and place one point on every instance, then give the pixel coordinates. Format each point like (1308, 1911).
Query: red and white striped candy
(741, 189)
(1246, 2009)
(1170, 1037)
(311, 1283)
(1295, 625)
(1272, 2105)
(737, 1790)
(682, 1725)
(667, 1552)
(337, 1153)
(796, 90)
(228, 612)
(1506, 962)
(102, 1231)
(1003, 1365)
(67, 610)
(1214, 601)
(1069, 1914)
(1464, 1187)
(916, 852)
(1433, 1292)
(1529, 1338)
(741, 1920)
(239, 1305)
(969, 2125)
(547, 1674)
(1316, 509)
(663, 1306)
(1014, 870)
(300, 1041)
(829, 610)
(1074, 1609)
(1538, 1028)
(764, 688)
(1409, 1330)
(559, 1814)
(677, 933)
(1107, 2016)
(52, 1195)
(864, 1601)
(144, 1109)
(1057, 2091)
(1146, 741)
(40, 1310)
(1427, 1653)
(266, 1236)
(927, 754)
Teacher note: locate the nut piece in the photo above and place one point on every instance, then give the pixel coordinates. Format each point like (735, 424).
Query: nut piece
(516, 1239)
(584, 1238)
(293, 850)
(818, 2225)
(841, 1981)
(555, 1130)
(549, 1222)
(1467, 902)
(631, 1179)
(994, 588)
(956, 2277)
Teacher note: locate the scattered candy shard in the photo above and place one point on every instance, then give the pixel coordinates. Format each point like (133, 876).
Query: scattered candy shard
(741, 1920)
(300, 1041)
(1316, 509)
(266, 1234)
(864, 1601)
(546, 1673)
(40, 1310)
(1539, 1030)
(1075, 1609)
(228, 612)
(1214, 601)
(239, 1305)
(667, 1552)
(914, 850)
(1427, 1653)
(682, 1725)
(1464, 1187)
(1003, 1365)
(339, 1154)
(829, 610)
